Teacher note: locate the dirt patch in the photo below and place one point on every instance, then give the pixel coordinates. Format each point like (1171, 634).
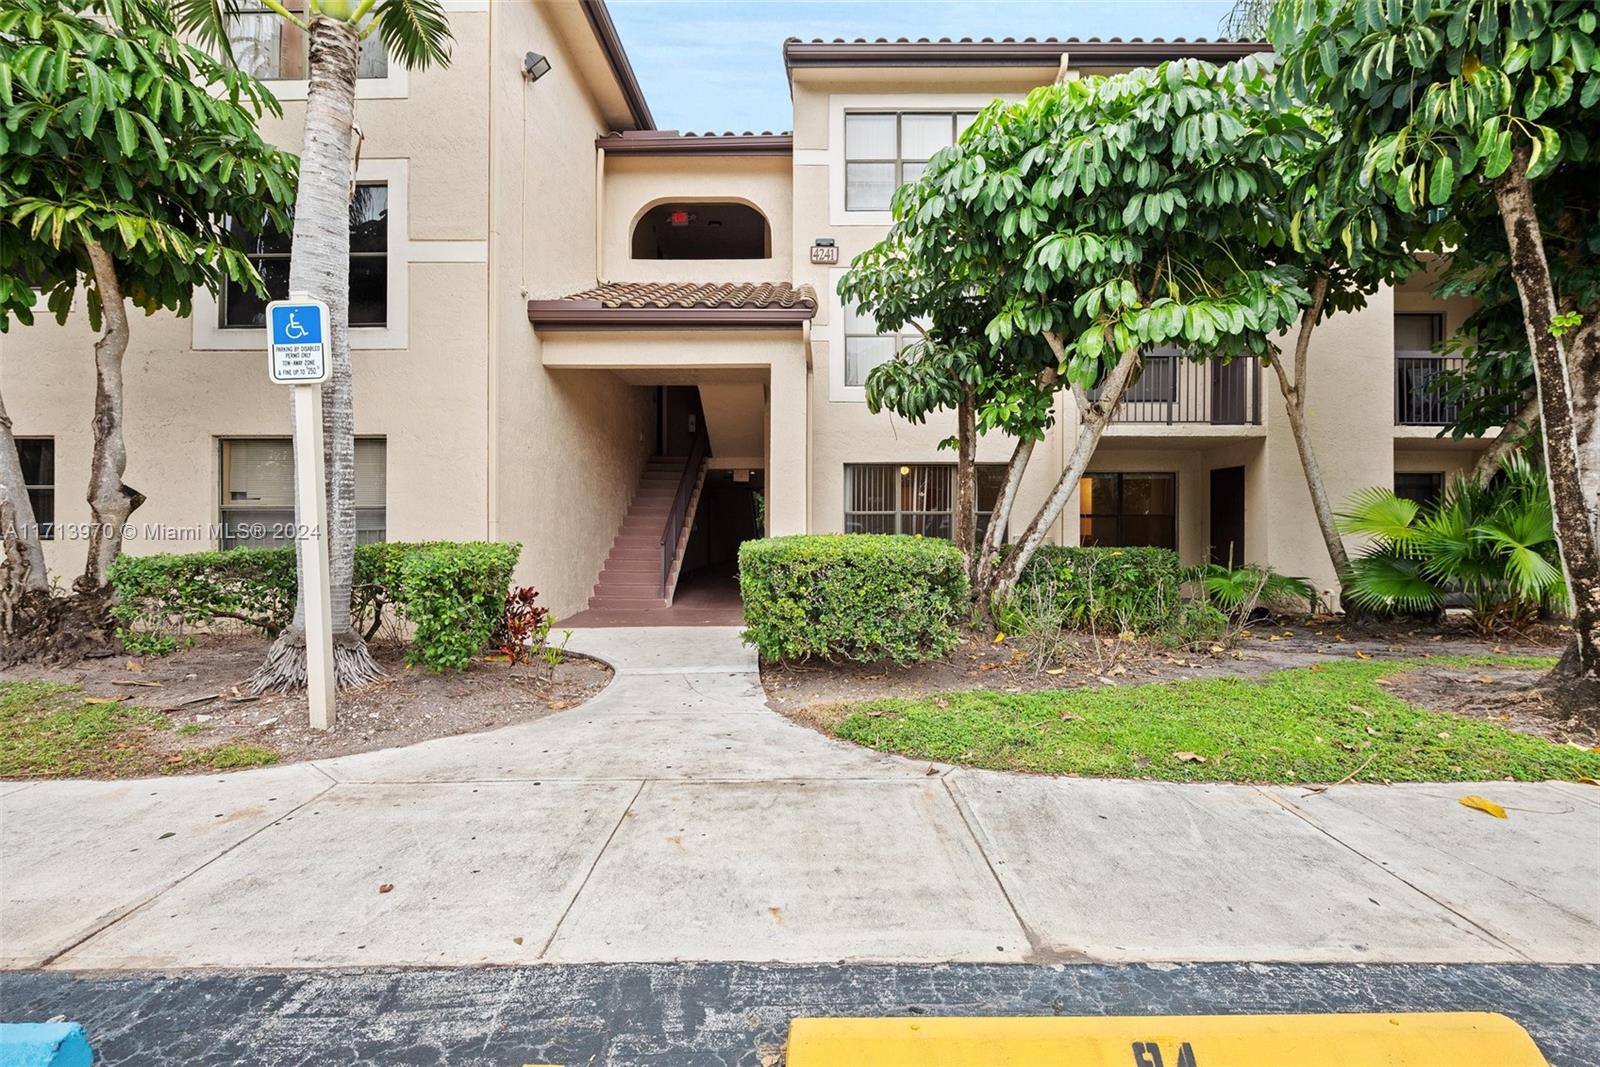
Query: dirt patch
(814, 692)
(1518, 699)
(204, 692)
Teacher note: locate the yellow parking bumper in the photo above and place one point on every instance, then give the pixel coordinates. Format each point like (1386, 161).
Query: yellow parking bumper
(1452, 1039)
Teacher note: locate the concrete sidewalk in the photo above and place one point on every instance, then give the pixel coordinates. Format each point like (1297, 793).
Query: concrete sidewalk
(675, 817)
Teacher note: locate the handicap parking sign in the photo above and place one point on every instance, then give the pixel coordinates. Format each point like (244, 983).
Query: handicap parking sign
(297, 341)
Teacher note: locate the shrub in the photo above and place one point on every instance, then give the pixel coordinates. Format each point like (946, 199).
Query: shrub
(864, 597)
(524, 626)
(158, 597)
(1492, 544)
(454, 595)
(1238, 591)
(1198, 624)
(1119, 590)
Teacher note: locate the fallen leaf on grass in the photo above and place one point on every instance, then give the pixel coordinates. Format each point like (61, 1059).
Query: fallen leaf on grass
(1188, 757)
(386, 887)
(999, 637)
(105, 700)
(1067, 716)
(1586, 780)
(1483, 804)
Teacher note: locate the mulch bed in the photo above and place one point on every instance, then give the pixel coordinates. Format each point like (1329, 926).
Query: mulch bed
(204, 690)
(1513, 697)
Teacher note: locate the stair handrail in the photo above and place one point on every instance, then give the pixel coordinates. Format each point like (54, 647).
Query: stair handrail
(672, 532)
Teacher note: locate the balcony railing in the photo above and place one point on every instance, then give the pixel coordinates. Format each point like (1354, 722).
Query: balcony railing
(1172, 390)
(1418, 399)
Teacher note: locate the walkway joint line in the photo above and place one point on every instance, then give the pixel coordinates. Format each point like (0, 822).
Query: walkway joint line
(601, 851)
(1036, 950)
(1478, 927)
(170, 886)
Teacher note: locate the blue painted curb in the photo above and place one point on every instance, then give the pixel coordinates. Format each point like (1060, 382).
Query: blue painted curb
(44, 1045)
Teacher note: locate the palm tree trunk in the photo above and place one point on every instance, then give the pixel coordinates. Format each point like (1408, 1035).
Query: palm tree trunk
(1095, 417)
(110, 501)
(1294, 399)
(1574, 521)
(320, 266)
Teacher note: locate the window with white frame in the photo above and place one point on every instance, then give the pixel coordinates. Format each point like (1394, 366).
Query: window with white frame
(865, 347)
(38, 456)
(369, 266)
(258, 491)
(887, 498)
(884, 150)
(270, 47)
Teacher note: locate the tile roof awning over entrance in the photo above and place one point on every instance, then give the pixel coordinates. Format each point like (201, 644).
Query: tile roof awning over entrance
(667, 305)
(1007, 52)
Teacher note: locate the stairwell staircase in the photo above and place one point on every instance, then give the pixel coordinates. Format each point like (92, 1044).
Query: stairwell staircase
(631, 578)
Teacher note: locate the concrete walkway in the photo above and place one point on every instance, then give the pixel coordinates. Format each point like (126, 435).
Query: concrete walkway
(675, 817)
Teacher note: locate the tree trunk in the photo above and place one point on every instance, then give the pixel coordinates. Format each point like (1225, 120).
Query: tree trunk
(966, 516)
(988, 561)
(1574, 521)
(1095, 417)
(320, 266)
(1294, 399)
(110, 501)
(24, 579)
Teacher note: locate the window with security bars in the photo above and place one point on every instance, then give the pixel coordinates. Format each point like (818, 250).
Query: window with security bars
(889, 498)
(369, 265)
(884, 150)
(270, 47)
(1125, 510)
(258, 491)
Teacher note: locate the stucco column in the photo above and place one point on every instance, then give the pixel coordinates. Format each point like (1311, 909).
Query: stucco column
(786, 454)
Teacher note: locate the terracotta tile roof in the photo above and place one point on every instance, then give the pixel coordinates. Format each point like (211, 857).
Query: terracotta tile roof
(679, 304)
(700, 295)
(673, 143)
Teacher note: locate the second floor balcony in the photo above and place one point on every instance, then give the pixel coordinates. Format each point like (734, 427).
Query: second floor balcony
(1172, 390)
(1419, 397)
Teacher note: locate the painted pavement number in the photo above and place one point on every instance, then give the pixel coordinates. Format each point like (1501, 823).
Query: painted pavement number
(1447, 1039)
(297, 341)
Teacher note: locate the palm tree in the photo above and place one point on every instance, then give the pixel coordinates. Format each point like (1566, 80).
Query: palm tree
(416, 33)
(1492, 543)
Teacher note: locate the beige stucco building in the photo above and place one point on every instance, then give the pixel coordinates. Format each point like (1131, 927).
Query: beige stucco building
(557, 309)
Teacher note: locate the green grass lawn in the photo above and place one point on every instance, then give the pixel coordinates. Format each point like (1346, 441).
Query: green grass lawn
(1309, 724)
(50, 730)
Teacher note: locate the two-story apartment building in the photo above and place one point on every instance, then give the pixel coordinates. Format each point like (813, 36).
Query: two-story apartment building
(621, 346)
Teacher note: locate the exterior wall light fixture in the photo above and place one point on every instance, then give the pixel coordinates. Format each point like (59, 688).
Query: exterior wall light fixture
(534, 66)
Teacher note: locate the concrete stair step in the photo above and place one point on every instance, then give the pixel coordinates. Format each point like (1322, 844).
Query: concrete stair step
(615, 603)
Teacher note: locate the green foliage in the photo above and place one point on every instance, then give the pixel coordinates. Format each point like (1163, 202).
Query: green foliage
(416, 33)
(449, 592)
(1111, 590)
(1199, 625)
(1494, 544)
(1322, 723)
(864, 597)
(115, 131)
(1240, 590)
(158, 597)
(454, 594)
(1432, 102)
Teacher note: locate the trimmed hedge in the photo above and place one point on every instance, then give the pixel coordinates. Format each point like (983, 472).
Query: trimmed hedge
(864, 597)
(1113, 590)
(453, 593)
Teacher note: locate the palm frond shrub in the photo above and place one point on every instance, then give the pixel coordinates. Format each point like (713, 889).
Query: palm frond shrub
(1238, 591)
(1491, 544)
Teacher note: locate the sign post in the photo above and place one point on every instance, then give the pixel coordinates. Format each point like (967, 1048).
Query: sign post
(297, 356)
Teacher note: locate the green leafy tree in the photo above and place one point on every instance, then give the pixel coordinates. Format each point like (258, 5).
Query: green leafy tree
(416, 34)
(1097, 219)
(1443, 104)
(124, 153)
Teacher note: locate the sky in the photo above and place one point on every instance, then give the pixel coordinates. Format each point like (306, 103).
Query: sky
(718, 64)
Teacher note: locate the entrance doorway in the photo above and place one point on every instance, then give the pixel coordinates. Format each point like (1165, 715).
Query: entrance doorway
(730, 513)
(1227, 516)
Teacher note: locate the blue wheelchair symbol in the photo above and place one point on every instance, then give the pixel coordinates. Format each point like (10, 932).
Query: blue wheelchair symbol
(297, 325)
